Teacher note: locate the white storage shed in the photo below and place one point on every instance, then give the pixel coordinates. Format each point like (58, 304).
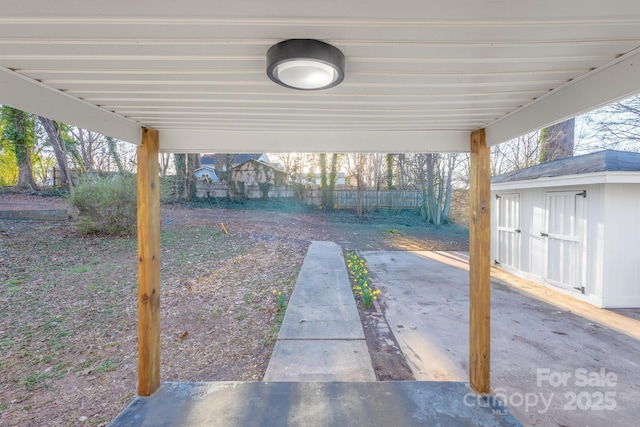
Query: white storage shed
(573, 224)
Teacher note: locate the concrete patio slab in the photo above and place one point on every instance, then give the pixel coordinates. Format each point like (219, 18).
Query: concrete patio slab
(320, 361)
(259, 404)
(536, 334)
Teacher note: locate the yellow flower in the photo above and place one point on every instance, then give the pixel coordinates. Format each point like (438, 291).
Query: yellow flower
(274, 291)
(279, 293)
(375, 297)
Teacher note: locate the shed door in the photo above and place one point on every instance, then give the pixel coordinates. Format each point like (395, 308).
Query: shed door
(566, 239)
(508, 250)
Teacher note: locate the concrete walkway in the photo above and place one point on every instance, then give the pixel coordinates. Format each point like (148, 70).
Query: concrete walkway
(321, 338)
(319, 375)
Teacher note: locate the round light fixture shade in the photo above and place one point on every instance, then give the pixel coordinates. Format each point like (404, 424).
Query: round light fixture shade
(305, 64)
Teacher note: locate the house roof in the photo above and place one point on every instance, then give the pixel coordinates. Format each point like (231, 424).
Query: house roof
(236, 159)
(262, 164)
(420, 74)
(602, 161)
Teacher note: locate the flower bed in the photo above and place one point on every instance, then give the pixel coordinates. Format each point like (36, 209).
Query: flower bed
(357, 268)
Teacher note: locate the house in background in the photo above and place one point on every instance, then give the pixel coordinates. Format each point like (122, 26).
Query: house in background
(206, 173)
(572, 224)
(255, 172)
(219, 161)
(250, 179)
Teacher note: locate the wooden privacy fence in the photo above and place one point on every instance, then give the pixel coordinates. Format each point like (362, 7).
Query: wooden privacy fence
(391, 199)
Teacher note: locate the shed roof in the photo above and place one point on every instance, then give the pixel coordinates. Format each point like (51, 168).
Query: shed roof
(602, 161)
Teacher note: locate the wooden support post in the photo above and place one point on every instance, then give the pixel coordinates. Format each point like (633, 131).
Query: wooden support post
(148, 264)
(479, 265)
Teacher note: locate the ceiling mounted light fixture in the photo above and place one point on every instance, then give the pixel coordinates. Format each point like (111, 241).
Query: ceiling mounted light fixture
(305, 64)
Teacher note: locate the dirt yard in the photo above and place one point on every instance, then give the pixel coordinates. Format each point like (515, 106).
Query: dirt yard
(68, 318)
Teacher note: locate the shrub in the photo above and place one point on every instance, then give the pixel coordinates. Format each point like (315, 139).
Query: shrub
(106, 205)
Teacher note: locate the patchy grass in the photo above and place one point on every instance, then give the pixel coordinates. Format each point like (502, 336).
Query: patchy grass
(68, 322)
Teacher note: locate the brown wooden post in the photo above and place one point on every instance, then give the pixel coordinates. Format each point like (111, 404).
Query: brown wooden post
(479, 265)
(148, 264)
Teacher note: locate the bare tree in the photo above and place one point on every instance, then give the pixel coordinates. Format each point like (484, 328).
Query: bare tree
(90, 145)
(518, 153)
(376, 171)
(113, 151)
(616, 126)
(356, 163)
(165, 160)
(56, 139)
(432, 175)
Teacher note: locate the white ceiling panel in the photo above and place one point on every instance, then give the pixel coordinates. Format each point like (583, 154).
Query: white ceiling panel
(421, 75)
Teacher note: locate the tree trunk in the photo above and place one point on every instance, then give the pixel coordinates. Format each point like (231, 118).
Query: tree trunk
(431, 196)
(55, 138)
(324, 189)
(164, 163)
(389, 172)
(360, 185)
(181, 175)
(231, 188)
(447, 198)
(401, 160)
(83, 151)
(25, 170)
(333, 175)
(192, 191)
(113, 152)
(557, 141)
(18, 129)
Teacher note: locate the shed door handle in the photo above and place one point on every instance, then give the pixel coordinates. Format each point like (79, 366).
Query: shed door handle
(544, 234)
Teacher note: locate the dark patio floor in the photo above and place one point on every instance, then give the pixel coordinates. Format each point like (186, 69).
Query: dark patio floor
(231, 404)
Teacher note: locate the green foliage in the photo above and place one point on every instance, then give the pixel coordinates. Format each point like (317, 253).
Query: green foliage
(18, 128)
(107, 205)
(168, 188)
(264, 188)
(8, 164)
(281, 299)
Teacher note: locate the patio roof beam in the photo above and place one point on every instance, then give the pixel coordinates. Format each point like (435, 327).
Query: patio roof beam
(479, 265)
(607, 84)
(193, 141)
(34, 97)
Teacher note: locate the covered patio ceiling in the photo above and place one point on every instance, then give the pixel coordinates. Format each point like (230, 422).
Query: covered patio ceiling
(421, 75)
